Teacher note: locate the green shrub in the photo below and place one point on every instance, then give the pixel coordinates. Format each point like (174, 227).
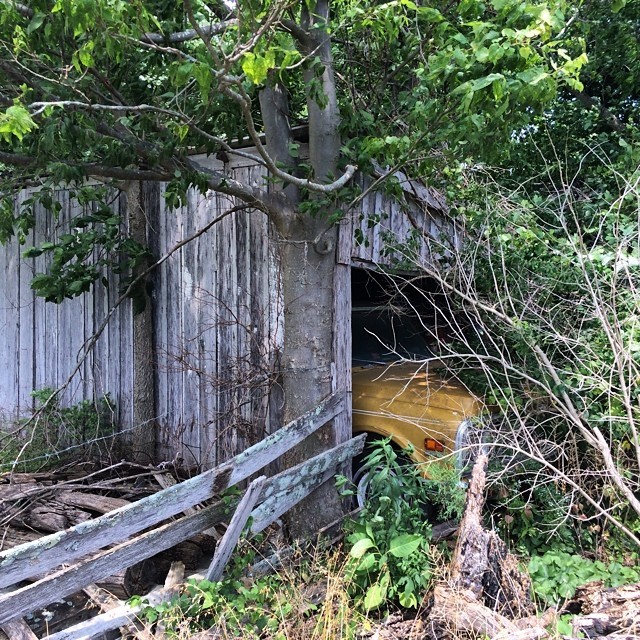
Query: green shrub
(389, 542)
(556, 575)
(54, 433)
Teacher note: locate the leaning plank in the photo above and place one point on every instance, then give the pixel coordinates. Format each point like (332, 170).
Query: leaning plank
(71, 579)
(225, 547)
(165, 481)
(66, 546)
(311, 474)
(120, 616)
(275, 445)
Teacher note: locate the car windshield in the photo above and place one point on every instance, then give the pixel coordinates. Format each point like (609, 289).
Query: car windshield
(380, 336)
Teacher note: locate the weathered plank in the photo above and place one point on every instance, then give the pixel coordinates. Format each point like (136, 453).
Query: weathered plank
(279, 497)
(71, 579)
(91, 501)
(225, 547)
(66, 546)
(106, 601)
(281, 491)
(18, 630)
(114, 618)
(341, 378)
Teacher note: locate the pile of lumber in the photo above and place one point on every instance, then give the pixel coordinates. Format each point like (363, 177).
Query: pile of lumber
(33, 505)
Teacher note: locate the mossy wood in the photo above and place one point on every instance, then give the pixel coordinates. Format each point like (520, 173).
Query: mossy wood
(284, 490)
(66, 546)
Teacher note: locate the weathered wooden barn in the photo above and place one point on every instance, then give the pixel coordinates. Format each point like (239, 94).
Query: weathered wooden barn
(216, 309)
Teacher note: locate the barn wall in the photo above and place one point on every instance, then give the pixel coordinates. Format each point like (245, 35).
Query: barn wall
(40, 342)
(217, 328)
(217, 317)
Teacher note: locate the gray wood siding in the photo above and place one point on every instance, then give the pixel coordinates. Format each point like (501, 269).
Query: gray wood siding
(217, 318)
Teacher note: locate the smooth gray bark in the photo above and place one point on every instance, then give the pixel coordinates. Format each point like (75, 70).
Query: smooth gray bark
(308, 255)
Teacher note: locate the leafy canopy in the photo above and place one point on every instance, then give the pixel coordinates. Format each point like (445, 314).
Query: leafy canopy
(131, 90)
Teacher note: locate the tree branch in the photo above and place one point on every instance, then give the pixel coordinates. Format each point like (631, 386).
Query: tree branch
(265, 159)
(300, 34)
(203, 31)
(589, 102)
(22, 9)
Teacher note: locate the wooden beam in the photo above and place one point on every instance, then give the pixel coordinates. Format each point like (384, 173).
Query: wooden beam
(284, 489)
(45, 554)
(119, 617)
(106, 601)
(225, 547)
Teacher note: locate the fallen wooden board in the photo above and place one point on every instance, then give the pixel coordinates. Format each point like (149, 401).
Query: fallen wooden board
(105, 601)
(42, 555)
(225, 547)
(119, 617)
(123, 615)
(91, 501)
(281, 490)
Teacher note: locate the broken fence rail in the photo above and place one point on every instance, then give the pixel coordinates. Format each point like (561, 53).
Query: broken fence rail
(278, 494)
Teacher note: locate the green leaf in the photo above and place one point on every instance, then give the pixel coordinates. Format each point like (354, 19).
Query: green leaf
(481, 83)
(16, 121)
(257, 67)
(375, 596)
(360, 547)
(36, 22)
(408, 599)
(404, 545)
(85, 54)
(367, 563)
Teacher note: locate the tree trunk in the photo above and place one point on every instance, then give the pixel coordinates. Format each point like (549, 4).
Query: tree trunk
(144, 434)
(308, 270)
(308, 264)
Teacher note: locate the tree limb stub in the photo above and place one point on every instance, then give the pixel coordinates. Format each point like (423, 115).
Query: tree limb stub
(486, 590)
(469, 561)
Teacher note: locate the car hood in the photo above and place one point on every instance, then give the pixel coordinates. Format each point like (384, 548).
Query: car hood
(412, 389)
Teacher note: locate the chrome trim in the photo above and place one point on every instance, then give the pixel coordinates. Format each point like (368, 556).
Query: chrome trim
(461, 445)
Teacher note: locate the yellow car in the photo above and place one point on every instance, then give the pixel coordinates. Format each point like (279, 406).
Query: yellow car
(399, 392)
